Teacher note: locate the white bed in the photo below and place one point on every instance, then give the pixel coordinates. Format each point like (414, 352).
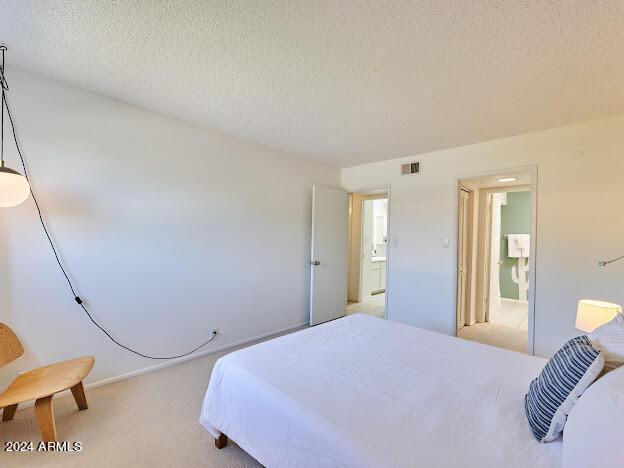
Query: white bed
(366, 392)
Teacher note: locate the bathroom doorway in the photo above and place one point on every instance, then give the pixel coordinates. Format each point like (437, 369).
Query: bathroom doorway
(368, 253)
(508, 303)
(495, 252)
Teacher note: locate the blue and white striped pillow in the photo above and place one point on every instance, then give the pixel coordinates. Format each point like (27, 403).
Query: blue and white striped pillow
(562, 381)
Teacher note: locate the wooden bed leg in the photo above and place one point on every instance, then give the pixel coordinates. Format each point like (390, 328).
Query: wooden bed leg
(8, 412)
(221, 441)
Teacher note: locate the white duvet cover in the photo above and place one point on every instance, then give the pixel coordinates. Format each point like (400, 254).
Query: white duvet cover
(366, 392)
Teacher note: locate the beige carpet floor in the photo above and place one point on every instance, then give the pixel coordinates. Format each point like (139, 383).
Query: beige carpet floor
(146, 421)
(500, 336)
(374, 305)
(508, 327)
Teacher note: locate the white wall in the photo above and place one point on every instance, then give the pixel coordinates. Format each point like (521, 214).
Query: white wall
(579, 221)
(168, 229)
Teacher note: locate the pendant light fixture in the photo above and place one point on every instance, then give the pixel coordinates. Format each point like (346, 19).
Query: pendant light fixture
(14, 187)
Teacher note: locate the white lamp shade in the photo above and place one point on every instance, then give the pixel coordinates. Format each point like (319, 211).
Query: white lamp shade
(14, 188)
(592, 314)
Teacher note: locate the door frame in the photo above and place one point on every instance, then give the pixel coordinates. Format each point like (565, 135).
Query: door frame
(387, 189)
(533, 188)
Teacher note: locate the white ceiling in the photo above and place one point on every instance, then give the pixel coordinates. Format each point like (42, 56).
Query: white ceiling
(343, 82)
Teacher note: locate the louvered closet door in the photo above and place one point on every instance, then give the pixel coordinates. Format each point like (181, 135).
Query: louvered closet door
(462, 255)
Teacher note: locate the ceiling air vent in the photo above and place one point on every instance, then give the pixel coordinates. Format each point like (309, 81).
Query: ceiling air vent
(410, 168)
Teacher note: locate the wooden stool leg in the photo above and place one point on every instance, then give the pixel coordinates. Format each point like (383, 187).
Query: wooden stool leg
(79, 395)
(221, 441)
(45, 418)
(8, 412)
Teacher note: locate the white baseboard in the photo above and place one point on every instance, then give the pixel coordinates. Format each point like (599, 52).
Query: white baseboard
(173, 362)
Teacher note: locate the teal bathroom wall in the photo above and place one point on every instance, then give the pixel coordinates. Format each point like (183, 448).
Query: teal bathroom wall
(515, 219)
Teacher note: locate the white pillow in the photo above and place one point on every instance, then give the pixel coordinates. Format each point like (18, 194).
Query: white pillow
(609, 338)
(593, 432)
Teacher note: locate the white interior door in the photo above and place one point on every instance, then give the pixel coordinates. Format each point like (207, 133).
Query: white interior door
(330, 230)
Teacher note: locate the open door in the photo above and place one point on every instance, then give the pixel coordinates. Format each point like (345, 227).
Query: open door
(328, 278)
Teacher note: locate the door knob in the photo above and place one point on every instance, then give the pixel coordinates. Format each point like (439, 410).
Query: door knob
(315, 262)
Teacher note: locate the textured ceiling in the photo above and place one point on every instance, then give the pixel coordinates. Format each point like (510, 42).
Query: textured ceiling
(343, 82)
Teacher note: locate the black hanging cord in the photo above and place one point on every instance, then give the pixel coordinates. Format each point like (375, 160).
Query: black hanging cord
(77, 298)
(5, 87)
